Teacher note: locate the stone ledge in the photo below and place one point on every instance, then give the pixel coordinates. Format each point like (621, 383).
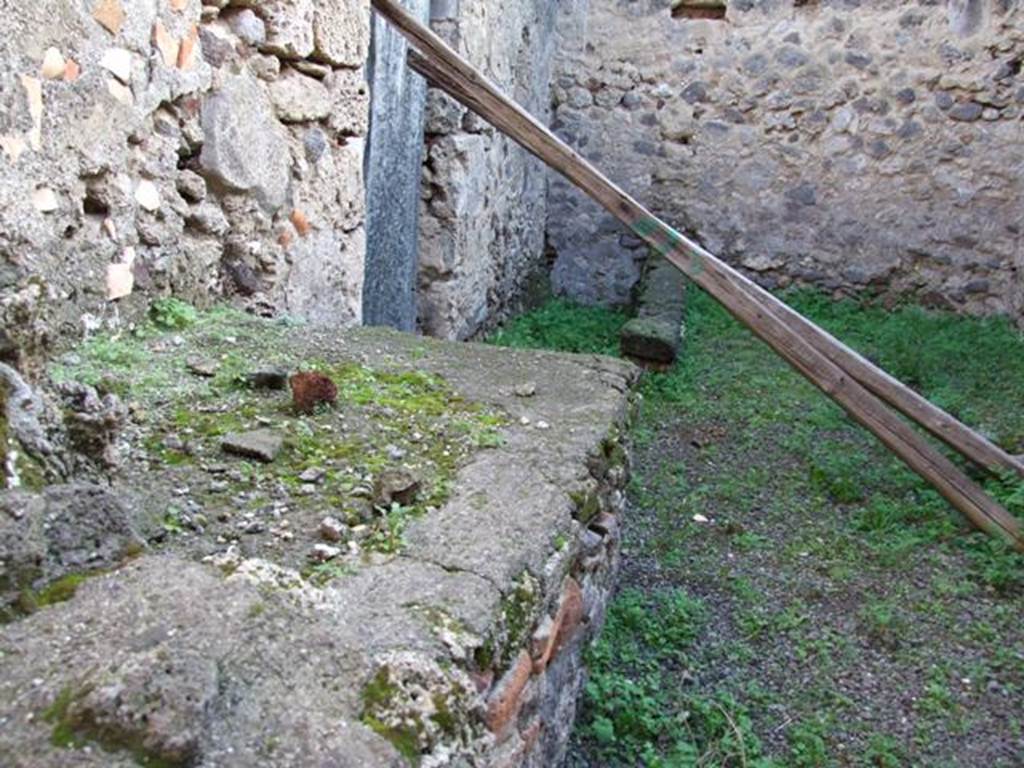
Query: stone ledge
(224, 658)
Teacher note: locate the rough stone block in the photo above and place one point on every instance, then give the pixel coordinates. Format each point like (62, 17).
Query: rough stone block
(298, 98)
(244, 148)
(341, 32)
(656, 332)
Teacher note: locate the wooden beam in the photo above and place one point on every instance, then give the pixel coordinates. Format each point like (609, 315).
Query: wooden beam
(941, 424)
(442, 66)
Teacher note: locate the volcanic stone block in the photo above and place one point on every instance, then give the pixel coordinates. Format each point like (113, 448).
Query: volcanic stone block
(656, 332)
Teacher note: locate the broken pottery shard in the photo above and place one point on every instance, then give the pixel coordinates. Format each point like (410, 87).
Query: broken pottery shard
(189, 50)
(166, 44)
(53, 64)
(301, 223)
(110, 14)
(260, 444)
(118, 62)
(312, 389)
(179, 5)
(120, 281)
(71, 71)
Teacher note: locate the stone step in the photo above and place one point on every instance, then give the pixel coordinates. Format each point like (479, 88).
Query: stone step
(218, 645)
(654, 336)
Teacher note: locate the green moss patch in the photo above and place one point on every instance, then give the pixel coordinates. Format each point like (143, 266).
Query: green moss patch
(385, 419)
(69, 733)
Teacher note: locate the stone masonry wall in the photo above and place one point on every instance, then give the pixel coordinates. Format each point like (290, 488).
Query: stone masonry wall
(156, 147)
(857, 145)
(483, 212)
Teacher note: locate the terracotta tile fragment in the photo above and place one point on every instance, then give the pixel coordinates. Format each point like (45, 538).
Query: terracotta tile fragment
(311, 389)
(570, 613)
(189, 50)
(284, 239)
(109, 13)
(504, 701)
(72, 70)
(179, 5)
(167, 46)
(301, 223)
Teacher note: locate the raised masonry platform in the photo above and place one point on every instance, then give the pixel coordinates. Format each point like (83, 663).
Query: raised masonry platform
(407, 578)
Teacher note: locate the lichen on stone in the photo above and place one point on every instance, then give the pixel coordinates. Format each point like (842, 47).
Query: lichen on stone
(428, 712)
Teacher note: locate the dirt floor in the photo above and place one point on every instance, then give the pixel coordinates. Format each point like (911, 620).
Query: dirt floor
(790, 594)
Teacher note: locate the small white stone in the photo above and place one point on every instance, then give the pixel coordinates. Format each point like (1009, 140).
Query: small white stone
(45, 200)
(332, 529)
(118, 62)
(543, 425)
(322, 553)
(53, 64)
(524, 420)
(312, 475)
(527, 389)
(147, 195)
(13, 146)
(699, 518)
(121, 92)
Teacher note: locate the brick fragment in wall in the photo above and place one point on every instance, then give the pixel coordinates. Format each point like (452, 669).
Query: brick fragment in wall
(570, 614)
(504, 700)
(94, 130)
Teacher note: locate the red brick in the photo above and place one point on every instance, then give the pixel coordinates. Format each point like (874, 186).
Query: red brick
(71, 70)
(504, 702)
(570, 612)
(301, 223)
(188, 52)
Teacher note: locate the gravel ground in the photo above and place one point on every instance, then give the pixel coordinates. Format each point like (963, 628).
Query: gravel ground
(850, 615)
